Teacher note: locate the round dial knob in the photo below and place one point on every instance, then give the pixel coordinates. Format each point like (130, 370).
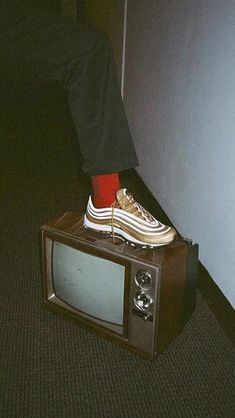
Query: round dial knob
(143, 279)
(142, 301)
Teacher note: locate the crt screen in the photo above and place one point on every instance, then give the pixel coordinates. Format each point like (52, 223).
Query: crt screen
(88, 283)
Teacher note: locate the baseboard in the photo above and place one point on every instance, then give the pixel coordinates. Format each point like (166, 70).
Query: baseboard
(211, 293)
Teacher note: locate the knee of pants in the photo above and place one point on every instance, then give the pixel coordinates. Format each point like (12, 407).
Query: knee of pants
(93, 54)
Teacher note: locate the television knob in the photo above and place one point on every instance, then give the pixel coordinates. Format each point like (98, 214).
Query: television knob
(142, 301)
(148, 317)
(143, 279)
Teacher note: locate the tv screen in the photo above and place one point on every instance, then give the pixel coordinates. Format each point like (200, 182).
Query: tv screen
(90, 284)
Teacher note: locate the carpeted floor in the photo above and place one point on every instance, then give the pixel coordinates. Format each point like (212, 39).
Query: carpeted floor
(54, 369)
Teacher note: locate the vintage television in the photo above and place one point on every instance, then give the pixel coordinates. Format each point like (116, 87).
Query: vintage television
(139, 298)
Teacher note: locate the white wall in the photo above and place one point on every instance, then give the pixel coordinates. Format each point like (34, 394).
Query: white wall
(180, 102)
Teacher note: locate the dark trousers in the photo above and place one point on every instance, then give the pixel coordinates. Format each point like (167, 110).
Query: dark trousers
(36, 45)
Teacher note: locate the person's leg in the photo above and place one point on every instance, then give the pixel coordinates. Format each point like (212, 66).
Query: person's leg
(42, 46)
(38, 45)
(97, 108)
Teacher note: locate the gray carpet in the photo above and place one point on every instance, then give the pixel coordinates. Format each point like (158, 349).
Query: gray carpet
(50, 367)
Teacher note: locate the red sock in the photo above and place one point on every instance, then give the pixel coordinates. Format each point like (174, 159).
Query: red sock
(104, 188)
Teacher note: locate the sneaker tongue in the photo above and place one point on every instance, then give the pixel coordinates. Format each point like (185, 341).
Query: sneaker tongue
(125, 202)
(121, 197)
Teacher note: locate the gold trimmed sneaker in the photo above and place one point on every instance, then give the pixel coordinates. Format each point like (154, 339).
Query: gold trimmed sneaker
(127, 219)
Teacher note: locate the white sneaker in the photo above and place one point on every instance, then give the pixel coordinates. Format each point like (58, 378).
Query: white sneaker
(129, 220)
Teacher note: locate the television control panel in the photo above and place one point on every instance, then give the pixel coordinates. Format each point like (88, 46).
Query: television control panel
(145, 300)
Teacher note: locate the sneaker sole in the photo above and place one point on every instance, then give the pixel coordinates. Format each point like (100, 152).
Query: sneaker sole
(120, 233)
